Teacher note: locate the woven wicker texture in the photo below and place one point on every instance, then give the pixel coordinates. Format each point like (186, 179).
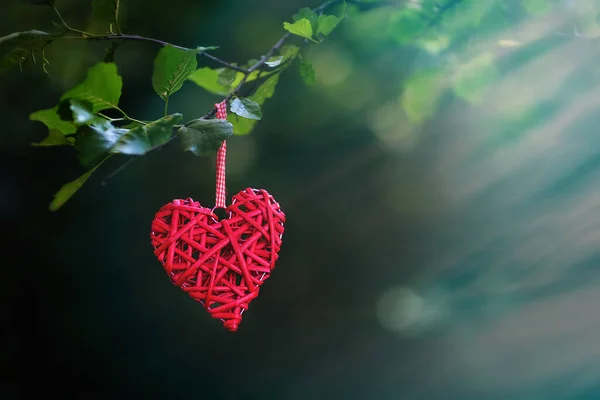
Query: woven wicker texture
(220, 264)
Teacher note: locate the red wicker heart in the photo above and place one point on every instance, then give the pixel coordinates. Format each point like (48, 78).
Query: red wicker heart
(220, 264)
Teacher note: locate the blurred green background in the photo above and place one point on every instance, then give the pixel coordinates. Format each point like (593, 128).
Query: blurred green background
(440, 182)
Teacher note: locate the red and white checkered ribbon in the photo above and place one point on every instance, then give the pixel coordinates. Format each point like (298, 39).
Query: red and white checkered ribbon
(221, 153)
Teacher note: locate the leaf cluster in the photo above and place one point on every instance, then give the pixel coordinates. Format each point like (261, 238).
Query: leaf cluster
(81, 120)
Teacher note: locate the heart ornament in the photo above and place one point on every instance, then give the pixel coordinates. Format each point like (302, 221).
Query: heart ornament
(220, 263)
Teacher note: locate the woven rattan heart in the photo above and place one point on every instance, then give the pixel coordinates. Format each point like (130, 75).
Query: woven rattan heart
(220, 263)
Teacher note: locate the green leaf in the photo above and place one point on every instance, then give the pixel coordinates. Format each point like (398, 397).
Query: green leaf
(94, 141)
(266, 90)
(307, 72)
(77, 111)
(252, 77)
(243, 126)
(17, 47)
(246, 108)
(327, 23)
(302, 28)
(172, 67)
(82, 112)
(100, 138)
(274, 61)
(107, 11)
(212, 80)
(142, 139)
(69, 189)
(422, 94)
(226, 77)
(289, 52)
(102, 87)
(95, 135)
(308, 14)
(204, 136)
(50, 118)
(54, 138)
(208, 79)
(132, 125)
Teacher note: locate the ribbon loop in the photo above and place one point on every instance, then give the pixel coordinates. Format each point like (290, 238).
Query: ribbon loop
(221, 157)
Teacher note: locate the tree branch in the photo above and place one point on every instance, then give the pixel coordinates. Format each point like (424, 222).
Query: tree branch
(121, 37)
(261, 62)
(223, 63)
(256, 66)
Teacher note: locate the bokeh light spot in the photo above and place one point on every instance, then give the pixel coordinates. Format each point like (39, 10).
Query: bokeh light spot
(402, 310)
(390, 125)
(332, 65)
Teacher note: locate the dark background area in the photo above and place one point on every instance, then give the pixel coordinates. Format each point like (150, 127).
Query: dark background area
(470, 225)
(89, 311)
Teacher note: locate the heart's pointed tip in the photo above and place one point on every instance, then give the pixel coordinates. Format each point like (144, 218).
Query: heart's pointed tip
(232, 325)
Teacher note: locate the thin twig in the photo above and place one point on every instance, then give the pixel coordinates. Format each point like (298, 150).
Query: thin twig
(224, 63)
(116, 171)
(87, 36)
(121, 37)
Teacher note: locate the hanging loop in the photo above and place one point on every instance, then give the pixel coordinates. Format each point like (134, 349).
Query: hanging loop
(221, 190)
